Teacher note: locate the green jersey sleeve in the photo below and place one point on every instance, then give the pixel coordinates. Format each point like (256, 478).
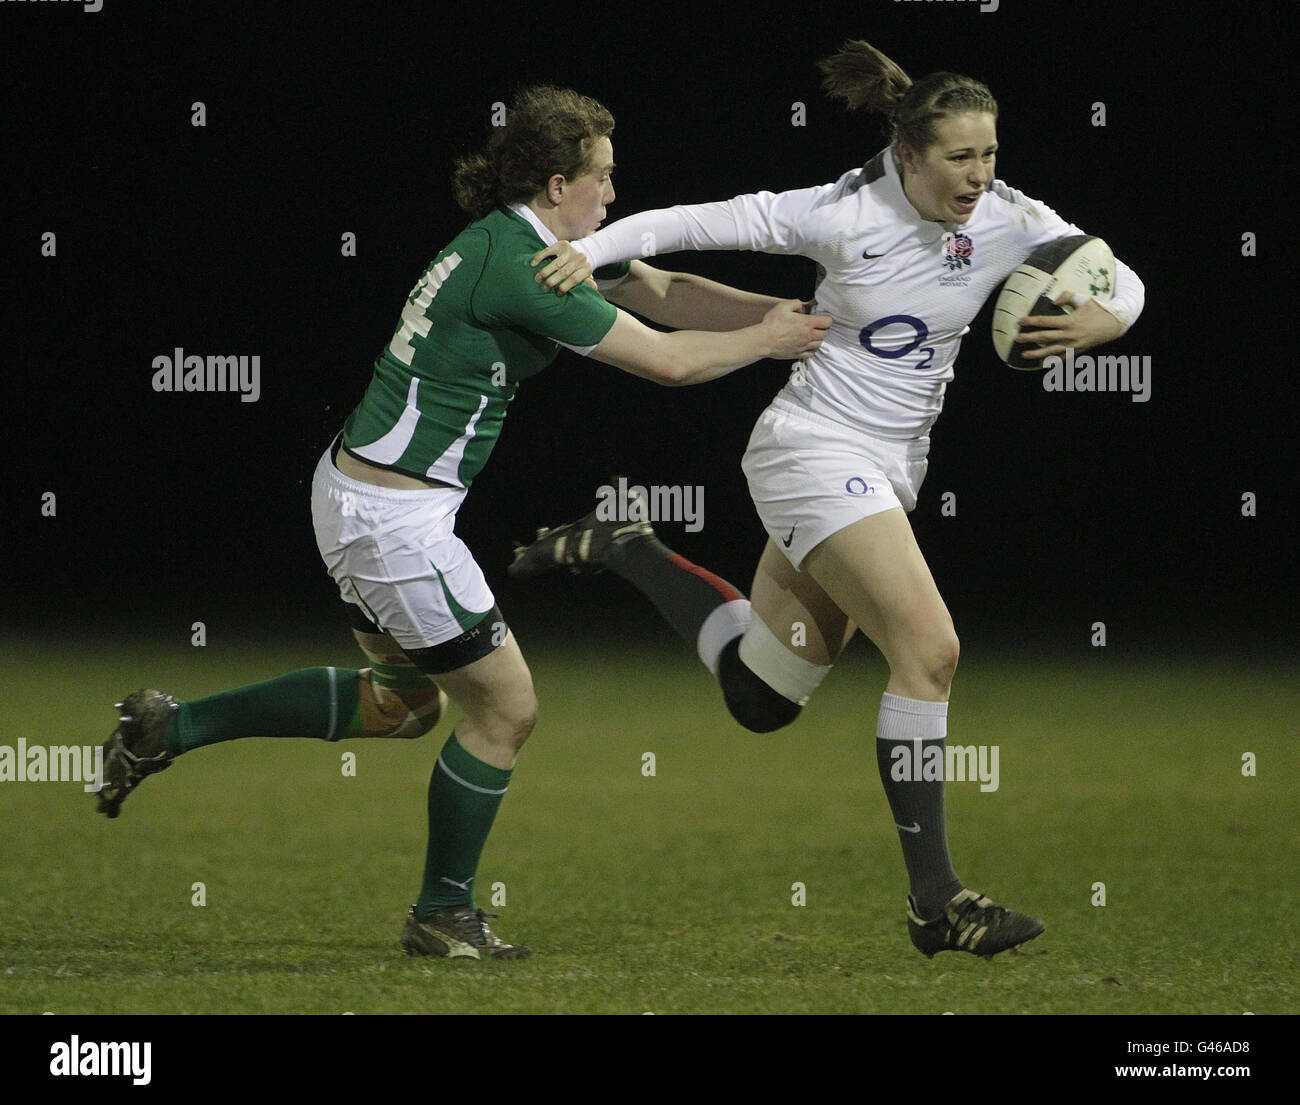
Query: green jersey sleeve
(609, 277)
(508, 296)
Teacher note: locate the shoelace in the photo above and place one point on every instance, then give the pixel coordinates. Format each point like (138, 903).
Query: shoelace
(973, 909)
(974, 917)
(474, 926)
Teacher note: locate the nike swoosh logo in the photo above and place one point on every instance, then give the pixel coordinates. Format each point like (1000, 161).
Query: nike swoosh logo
(914, 827)
(868, 256)
(786, 540)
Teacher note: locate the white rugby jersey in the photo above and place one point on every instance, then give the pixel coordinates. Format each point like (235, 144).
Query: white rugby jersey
(901, 289)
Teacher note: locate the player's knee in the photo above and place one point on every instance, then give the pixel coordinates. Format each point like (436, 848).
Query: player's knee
(510, 719)
(522, 719)
(929, 663)
(752, 702)
(942, 658)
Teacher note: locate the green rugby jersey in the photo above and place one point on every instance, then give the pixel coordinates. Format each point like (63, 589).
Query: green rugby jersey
(475, 325)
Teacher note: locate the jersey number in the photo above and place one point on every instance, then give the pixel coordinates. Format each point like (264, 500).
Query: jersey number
(414, 320)
(920, 333)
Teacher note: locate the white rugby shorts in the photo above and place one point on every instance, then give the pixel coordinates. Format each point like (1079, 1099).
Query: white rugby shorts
(811, 477)
(393, 553)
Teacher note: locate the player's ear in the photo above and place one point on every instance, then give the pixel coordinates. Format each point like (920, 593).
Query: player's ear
(555, 188)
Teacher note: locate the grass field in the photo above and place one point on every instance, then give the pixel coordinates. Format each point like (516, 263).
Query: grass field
(670, 893)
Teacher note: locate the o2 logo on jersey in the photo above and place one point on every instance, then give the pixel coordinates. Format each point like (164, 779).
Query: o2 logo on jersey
(856, 485)
(919, 333)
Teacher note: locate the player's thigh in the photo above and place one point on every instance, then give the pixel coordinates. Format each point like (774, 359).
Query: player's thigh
(793, 605)
(496, 688)
(874, 571)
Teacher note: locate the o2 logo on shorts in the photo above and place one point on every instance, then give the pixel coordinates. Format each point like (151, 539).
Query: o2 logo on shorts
(919, 333)
(856, 485)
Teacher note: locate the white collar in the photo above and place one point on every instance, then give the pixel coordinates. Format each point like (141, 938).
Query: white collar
(543, 231)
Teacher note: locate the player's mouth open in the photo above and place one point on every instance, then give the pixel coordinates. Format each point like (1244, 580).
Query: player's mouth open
(968, 201)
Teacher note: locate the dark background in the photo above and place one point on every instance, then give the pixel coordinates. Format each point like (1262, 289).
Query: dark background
(327, 118)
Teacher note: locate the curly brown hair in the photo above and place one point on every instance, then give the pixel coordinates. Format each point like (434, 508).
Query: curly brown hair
(548, 130)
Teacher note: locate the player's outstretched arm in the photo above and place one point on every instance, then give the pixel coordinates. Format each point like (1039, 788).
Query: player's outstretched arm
(681, 300)
(693, 356)
(685, 301)
(767, 222)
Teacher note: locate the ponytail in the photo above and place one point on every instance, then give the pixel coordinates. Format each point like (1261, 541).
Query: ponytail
(866, 80)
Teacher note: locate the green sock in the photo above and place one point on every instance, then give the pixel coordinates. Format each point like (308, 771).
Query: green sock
(464, 794)
(314, 702)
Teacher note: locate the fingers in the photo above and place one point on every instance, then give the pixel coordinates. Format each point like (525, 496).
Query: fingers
(1049, 329)
(552, 252)
(804, 307)
(1055, 326)
(547, 275)
(1041, 336)
(562, 284)
(819, 327)
(1046, 342)
(1046, 351)
(567, 268)
(1046, 322)
(813, 340)
(565, 280)
(556, 272)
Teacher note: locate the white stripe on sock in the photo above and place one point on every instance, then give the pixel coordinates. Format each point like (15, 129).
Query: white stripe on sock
(481, 790)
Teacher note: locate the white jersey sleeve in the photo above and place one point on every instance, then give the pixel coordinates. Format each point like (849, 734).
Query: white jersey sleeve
(765, 222)
(1128, 294)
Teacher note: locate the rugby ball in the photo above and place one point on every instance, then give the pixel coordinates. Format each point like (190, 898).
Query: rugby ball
(1078, 263)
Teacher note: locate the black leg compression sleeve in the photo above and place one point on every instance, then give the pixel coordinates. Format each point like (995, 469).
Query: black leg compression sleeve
(471, 645)
(751, 701)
